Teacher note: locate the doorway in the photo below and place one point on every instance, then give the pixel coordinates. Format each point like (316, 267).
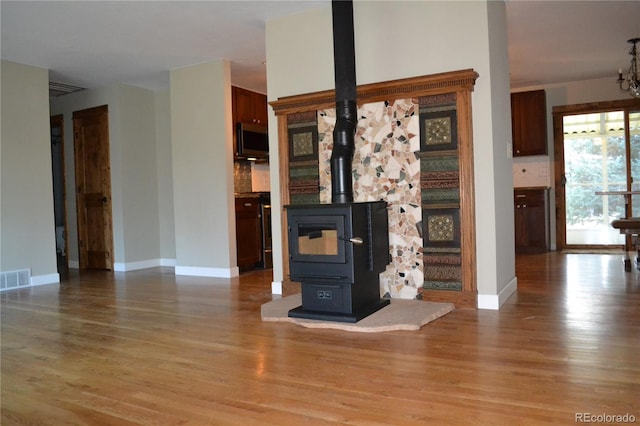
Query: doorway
(93, 188)
(597, 167)
(59, 193)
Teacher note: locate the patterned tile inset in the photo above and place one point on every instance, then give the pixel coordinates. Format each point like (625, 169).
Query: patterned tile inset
(441, 228)
(438, 131)
(302, 144)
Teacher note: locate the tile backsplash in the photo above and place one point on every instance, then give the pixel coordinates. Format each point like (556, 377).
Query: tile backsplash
(241, 177)
(260, 181)
(532, 171)
(250, 177)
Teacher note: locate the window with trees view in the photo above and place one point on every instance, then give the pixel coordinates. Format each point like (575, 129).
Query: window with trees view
(601, 153)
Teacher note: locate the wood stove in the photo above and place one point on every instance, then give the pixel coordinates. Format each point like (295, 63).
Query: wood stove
(337, 252)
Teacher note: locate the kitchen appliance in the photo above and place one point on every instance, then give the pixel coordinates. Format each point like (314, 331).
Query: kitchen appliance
(253, 141)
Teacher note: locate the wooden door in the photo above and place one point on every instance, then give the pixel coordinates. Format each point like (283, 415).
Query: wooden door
(93, 186)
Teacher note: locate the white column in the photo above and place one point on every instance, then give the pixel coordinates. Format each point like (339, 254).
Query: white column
(201, 140)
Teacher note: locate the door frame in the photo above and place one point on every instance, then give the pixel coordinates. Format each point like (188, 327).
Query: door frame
(558, 113)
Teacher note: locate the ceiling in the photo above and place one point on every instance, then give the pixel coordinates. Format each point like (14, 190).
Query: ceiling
(98, 43)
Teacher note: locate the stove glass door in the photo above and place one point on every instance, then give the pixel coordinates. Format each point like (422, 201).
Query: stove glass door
(317, 239)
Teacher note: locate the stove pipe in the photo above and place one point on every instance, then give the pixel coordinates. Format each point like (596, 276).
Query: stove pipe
(346, 110)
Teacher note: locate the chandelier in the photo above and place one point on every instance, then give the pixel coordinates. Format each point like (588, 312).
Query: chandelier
(632, 79)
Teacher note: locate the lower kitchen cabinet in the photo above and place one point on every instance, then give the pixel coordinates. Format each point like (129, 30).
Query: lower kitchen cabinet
(248, 233)
(531, 216)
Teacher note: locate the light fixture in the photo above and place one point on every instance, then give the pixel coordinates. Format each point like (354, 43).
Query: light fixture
(632, 79)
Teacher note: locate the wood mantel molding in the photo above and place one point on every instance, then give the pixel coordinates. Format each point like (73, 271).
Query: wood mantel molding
(453, 81)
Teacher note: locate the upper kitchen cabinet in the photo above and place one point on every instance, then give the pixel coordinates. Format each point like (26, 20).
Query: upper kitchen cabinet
(249, 107)
(529, 123)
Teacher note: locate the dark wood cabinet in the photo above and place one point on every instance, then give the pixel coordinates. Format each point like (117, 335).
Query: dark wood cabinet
(249, 107)
(531, 217)
(529, 123)
(248, 232)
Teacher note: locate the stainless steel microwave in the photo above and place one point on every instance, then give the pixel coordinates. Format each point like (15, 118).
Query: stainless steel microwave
(253, 141)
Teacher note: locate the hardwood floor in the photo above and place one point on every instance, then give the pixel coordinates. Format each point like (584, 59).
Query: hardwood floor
(146, 347)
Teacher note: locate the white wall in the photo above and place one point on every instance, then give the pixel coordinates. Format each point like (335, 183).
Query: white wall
(406, 39)
(27, 227)
(138, 176)
(134, 190)
(202, 156)
(502, 226)
(165, 177)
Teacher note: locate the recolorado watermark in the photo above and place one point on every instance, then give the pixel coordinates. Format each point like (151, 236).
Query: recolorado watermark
(604, 418)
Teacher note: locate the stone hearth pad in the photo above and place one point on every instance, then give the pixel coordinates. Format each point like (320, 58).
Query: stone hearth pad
(401, 314)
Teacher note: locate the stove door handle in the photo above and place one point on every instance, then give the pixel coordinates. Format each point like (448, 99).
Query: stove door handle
(356, 240)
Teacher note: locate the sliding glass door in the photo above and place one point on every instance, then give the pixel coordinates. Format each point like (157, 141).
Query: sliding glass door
(595, 161)
(634, 138)
(599, 150)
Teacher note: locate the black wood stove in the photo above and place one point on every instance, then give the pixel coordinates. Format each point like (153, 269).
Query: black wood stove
(337, 251)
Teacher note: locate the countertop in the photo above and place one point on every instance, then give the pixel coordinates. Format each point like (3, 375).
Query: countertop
(261, 195)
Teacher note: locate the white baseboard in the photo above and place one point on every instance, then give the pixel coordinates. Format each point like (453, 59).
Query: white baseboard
(495, 301)
(134, 266)
(167, 262)
(196, 271)
(45, 279)
(276, 287)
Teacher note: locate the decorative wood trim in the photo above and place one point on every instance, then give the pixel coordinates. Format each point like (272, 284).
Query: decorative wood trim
(283, 158)
(467, 191)
(558, 160)
(455, 81)
(461, 299)
(596, 106)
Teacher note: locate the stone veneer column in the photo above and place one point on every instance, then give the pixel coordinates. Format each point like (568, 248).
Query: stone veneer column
(385, 167)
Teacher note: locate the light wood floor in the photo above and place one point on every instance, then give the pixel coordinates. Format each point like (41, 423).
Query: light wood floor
(149, 348)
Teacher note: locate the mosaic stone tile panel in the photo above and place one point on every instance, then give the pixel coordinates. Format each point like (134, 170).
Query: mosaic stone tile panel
(326, 123)
(386, 166)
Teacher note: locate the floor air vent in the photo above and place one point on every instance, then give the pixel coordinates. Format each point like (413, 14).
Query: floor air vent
(15, 279)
